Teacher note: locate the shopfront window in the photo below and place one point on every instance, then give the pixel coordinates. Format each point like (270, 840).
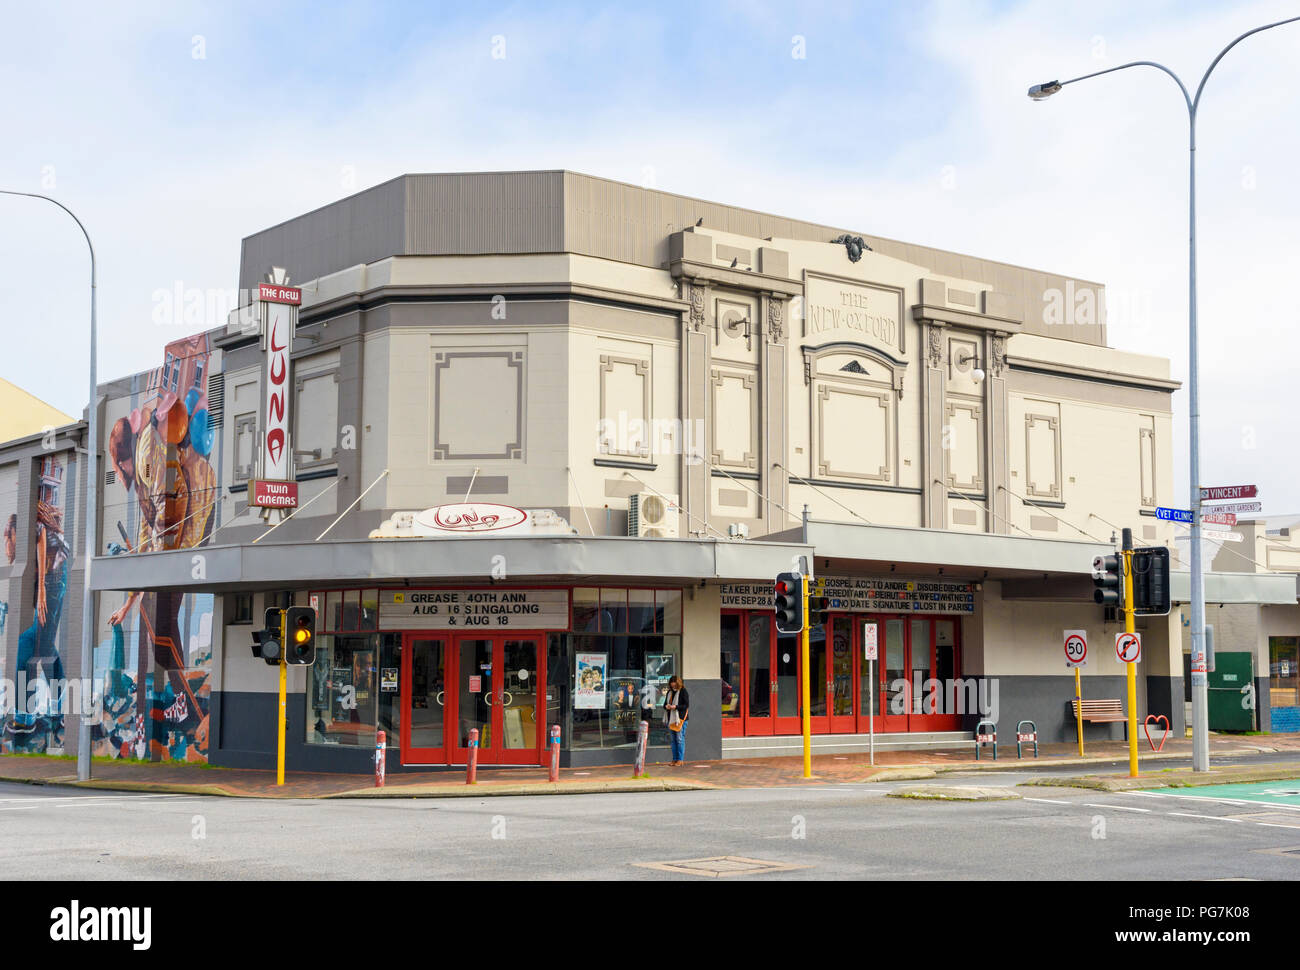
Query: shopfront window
(620, 681)
(342, 693)
(390, 698)
(1284, 671)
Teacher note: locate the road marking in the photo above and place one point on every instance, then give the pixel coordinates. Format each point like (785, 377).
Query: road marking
(45, 799)
(18, 808)
(1217, 818)
(1046, 801)
(1121, 808)
(1232, 801)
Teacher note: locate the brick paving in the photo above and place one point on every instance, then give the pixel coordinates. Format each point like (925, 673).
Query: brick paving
(731, 773)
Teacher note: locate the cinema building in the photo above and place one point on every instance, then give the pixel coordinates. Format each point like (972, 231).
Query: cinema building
(553, 438)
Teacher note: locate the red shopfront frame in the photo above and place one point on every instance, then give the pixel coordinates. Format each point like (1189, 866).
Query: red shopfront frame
(763, 674)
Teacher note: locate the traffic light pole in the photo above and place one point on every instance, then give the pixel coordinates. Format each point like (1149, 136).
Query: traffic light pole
(807, 681)
(1132, 665)
(280, 730)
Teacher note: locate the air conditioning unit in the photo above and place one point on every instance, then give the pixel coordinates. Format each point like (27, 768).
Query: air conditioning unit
(651, 516)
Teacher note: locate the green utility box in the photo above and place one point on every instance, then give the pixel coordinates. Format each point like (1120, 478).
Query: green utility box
(1232, 692)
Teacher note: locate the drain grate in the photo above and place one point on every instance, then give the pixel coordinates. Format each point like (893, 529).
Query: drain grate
(720, 865)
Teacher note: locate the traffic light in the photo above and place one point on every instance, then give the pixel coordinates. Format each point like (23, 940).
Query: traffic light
(1151, 581)
(300, 635)
(266, 642)
(789, 603)
(1108, 577)
(818, 610)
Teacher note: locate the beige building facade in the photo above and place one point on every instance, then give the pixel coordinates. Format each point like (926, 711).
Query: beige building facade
(684, 398)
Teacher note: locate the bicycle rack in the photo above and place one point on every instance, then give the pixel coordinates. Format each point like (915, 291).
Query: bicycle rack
(983, 737)
(1023, 736)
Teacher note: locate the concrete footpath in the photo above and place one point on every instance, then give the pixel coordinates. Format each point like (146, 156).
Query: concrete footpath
(119, 775)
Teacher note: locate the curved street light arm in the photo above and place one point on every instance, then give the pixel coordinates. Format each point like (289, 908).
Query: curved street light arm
(1159, 67)
(1215, 63)
(91, 524)
(34, 195)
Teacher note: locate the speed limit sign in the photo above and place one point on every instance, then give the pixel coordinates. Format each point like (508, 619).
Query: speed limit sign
(1076, 648)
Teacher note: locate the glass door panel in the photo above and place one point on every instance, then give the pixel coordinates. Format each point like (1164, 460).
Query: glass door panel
(518, 697)
(920, 655)
(817, 689)
(841, 699)
(731, 671)
(474, 680)
(893, 677)
(759, 681)
(426, 697)
(787, 684)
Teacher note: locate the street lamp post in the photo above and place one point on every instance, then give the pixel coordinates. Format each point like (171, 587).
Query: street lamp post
(1200, 711)
(92, 507)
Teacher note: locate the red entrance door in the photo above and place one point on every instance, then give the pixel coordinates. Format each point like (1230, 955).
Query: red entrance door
(455, 684)
(748, 671)
(917, 673)
(423, 735)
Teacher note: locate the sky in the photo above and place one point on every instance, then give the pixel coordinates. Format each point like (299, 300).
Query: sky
(175, 129)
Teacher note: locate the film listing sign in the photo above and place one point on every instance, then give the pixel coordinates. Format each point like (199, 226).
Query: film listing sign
(474, 609)
(859, 595)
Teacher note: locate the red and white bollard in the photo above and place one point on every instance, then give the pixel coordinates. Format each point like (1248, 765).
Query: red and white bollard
(555, 753)
(471, 772)
(642, 738)
(381, 742)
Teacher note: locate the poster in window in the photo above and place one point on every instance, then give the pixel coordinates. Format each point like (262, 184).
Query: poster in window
(589, 686)
(659, 669)
(624, 699)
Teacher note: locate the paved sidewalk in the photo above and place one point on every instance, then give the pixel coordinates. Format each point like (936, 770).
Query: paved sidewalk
(737, 773)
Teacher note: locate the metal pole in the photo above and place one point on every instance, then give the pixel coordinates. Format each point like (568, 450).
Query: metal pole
(283, 715)
(1200, 691)
(1078, 708)
(807, 683)
(1132, 665)
(871, 707)
(91, 525)
(471, 770)
(642, 736)
(554, 774)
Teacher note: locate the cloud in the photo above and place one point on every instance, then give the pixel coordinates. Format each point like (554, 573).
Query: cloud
(910, 123)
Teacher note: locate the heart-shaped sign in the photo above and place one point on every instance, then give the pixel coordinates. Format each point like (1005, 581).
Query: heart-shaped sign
(1146, 726)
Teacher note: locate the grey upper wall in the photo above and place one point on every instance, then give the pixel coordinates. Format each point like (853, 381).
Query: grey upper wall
(481, 213)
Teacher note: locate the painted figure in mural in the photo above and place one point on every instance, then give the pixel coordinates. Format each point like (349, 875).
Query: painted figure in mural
(161, 453)
(11, 551)
(38, 718)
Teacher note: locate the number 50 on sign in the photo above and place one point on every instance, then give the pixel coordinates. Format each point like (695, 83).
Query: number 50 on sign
(1076, 648)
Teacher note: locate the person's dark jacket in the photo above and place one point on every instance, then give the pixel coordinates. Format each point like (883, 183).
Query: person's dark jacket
(683, 703)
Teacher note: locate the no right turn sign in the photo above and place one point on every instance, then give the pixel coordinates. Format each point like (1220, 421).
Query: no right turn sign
(1128, 647)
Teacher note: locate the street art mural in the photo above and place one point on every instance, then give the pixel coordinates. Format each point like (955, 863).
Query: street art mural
(9, 522)
(33, 717)
(152, 672)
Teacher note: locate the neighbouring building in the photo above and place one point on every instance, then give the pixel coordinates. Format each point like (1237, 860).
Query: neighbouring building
(554, 437)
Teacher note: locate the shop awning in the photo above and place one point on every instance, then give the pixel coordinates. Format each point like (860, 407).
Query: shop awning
(575, 559)
(957, 553)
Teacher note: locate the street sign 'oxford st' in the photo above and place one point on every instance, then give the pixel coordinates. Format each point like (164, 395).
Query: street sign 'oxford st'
(1128, 647)
(1076, 648)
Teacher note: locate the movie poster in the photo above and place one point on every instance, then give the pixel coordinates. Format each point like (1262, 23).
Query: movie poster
(589, 681)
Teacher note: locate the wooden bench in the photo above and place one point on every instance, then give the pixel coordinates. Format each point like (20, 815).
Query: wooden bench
(1100, 712)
